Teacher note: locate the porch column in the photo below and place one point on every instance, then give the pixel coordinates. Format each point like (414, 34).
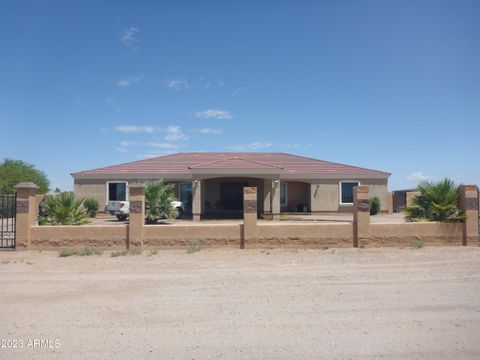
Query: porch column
(26, 213)
(196, 199)
(276, 199)
(249, 215)
(469, 204)
(361, 214)
(267, 198)
(389, 203)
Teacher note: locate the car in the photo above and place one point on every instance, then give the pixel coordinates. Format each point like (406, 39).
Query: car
(121, 209)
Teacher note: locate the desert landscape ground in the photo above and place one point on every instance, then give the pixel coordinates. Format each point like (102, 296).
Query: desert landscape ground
(244, 304)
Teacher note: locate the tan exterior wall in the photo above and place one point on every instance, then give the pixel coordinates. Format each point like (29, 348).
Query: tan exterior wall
(181, 235)
(407, 234)
(303, 235)
(325, 194)
(53, 237)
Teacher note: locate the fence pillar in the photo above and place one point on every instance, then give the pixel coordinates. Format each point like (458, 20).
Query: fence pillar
(267, 199)
(26, 213)
(389, 203)
(361, 214)
(469, 204)
(276, 199)
(137, 215)
(196, 199)
(249, 215)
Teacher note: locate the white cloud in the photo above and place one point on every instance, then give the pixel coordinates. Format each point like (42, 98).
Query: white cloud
(207, 131)
(214, 114)
(237, 91)
(174, 133)
(129, 81)
(252, 146)
(112, 103)
(120, 149)
(126, 143)
(419, 176)
(163, 145)
(135, 129)
(128, 36)
(178, 84)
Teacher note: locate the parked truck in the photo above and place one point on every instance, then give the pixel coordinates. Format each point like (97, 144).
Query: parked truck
(121, 209)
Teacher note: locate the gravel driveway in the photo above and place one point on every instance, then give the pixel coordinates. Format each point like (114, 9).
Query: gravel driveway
(250, 304)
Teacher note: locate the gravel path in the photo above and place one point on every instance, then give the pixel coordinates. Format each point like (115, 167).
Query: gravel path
(251, 304)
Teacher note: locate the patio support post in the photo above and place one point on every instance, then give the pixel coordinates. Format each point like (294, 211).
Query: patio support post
(361, 214)
(469, 204)
(137, 215)
(196, 199)
(276, 199)
(26, 213)
(249, 215)
(267, 199)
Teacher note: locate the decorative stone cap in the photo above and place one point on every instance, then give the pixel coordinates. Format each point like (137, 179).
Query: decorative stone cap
(470, 187)
(26, 185)
(136, 186)
(249, 190)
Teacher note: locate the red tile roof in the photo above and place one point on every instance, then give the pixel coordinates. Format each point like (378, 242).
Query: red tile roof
(183, 163)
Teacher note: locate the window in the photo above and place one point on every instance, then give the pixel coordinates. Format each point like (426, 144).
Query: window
(283, 193)
(117, 191)
(186, 193)
(346, 191)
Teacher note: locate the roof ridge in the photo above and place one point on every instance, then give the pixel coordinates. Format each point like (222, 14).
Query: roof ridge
(234, 158)
(336, 163)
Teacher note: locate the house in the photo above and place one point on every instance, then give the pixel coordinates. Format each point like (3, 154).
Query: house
(211, 183)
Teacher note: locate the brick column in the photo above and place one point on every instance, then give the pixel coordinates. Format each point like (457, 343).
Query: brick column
(249, 215)
(26, 213)
(137, 215)
(276, 199)
(469, 204)
(389, 203)
(196, 199)
(361, 214)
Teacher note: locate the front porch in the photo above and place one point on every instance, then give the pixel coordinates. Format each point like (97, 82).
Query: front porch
(222, 197)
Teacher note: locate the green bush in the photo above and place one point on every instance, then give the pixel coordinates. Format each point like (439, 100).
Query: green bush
(374, 205)
(438, 201)
(91, 205)
(158, 201)
(63, 209)
(14, 171)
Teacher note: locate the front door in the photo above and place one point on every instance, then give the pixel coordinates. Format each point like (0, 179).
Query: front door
(232, 195)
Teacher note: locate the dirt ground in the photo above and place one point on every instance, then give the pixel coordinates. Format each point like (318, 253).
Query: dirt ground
(250, 304)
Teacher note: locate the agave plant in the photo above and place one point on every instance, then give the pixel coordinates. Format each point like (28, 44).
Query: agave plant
(438, 201)
(158, 201)
(91, 206)
(63, 209)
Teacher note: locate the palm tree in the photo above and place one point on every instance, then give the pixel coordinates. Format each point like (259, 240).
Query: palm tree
(158, 201)
(63, 209)
(438, 201)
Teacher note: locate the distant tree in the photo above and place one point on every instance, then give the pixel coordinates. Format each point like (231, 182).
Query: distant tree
(14, 171)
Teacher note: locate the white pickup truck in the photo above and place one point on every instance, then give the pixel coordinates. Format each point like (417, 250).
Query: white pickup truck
(121, 209)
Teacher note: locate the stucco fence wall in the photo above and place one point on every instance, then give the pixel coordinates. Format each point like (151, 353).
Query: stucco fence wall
(229, 235)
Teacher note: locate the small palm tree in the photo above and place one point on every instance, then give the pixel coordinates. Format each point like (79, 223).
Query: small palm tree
(158, 201)
(63, 209)
(438, 201)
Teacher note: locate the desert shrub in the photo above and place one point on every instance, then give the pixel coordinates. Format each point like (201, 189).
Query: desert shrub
(63, 209)
(158, 201)
(91, 206)
(374, 205)
(134, 251)
(193, 248)
(85, 251)
(438, 201)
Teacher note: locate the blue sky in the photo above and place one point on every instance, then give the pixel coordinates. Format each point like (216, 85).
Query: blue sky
(390, 85)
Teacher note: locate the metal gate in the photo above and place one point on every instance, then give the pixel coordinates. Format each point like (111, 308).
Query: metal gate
(8, 212)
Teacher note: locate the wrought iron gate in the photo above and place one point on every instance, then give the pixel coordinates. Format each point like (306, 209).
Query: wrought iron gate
(8, 212)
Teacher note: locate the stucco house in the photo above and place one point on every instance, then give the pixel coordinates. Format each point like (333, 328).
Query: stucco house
(212, 183)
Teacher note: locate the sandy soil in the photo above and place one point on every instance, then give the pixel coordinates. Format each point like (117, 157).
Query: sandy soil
(251, 304)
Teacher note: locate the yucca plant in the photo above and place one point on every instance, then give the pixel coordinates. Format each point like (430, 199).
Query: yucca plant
(63, 209)
(91, 206)
(438, 201)
(158, 201)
